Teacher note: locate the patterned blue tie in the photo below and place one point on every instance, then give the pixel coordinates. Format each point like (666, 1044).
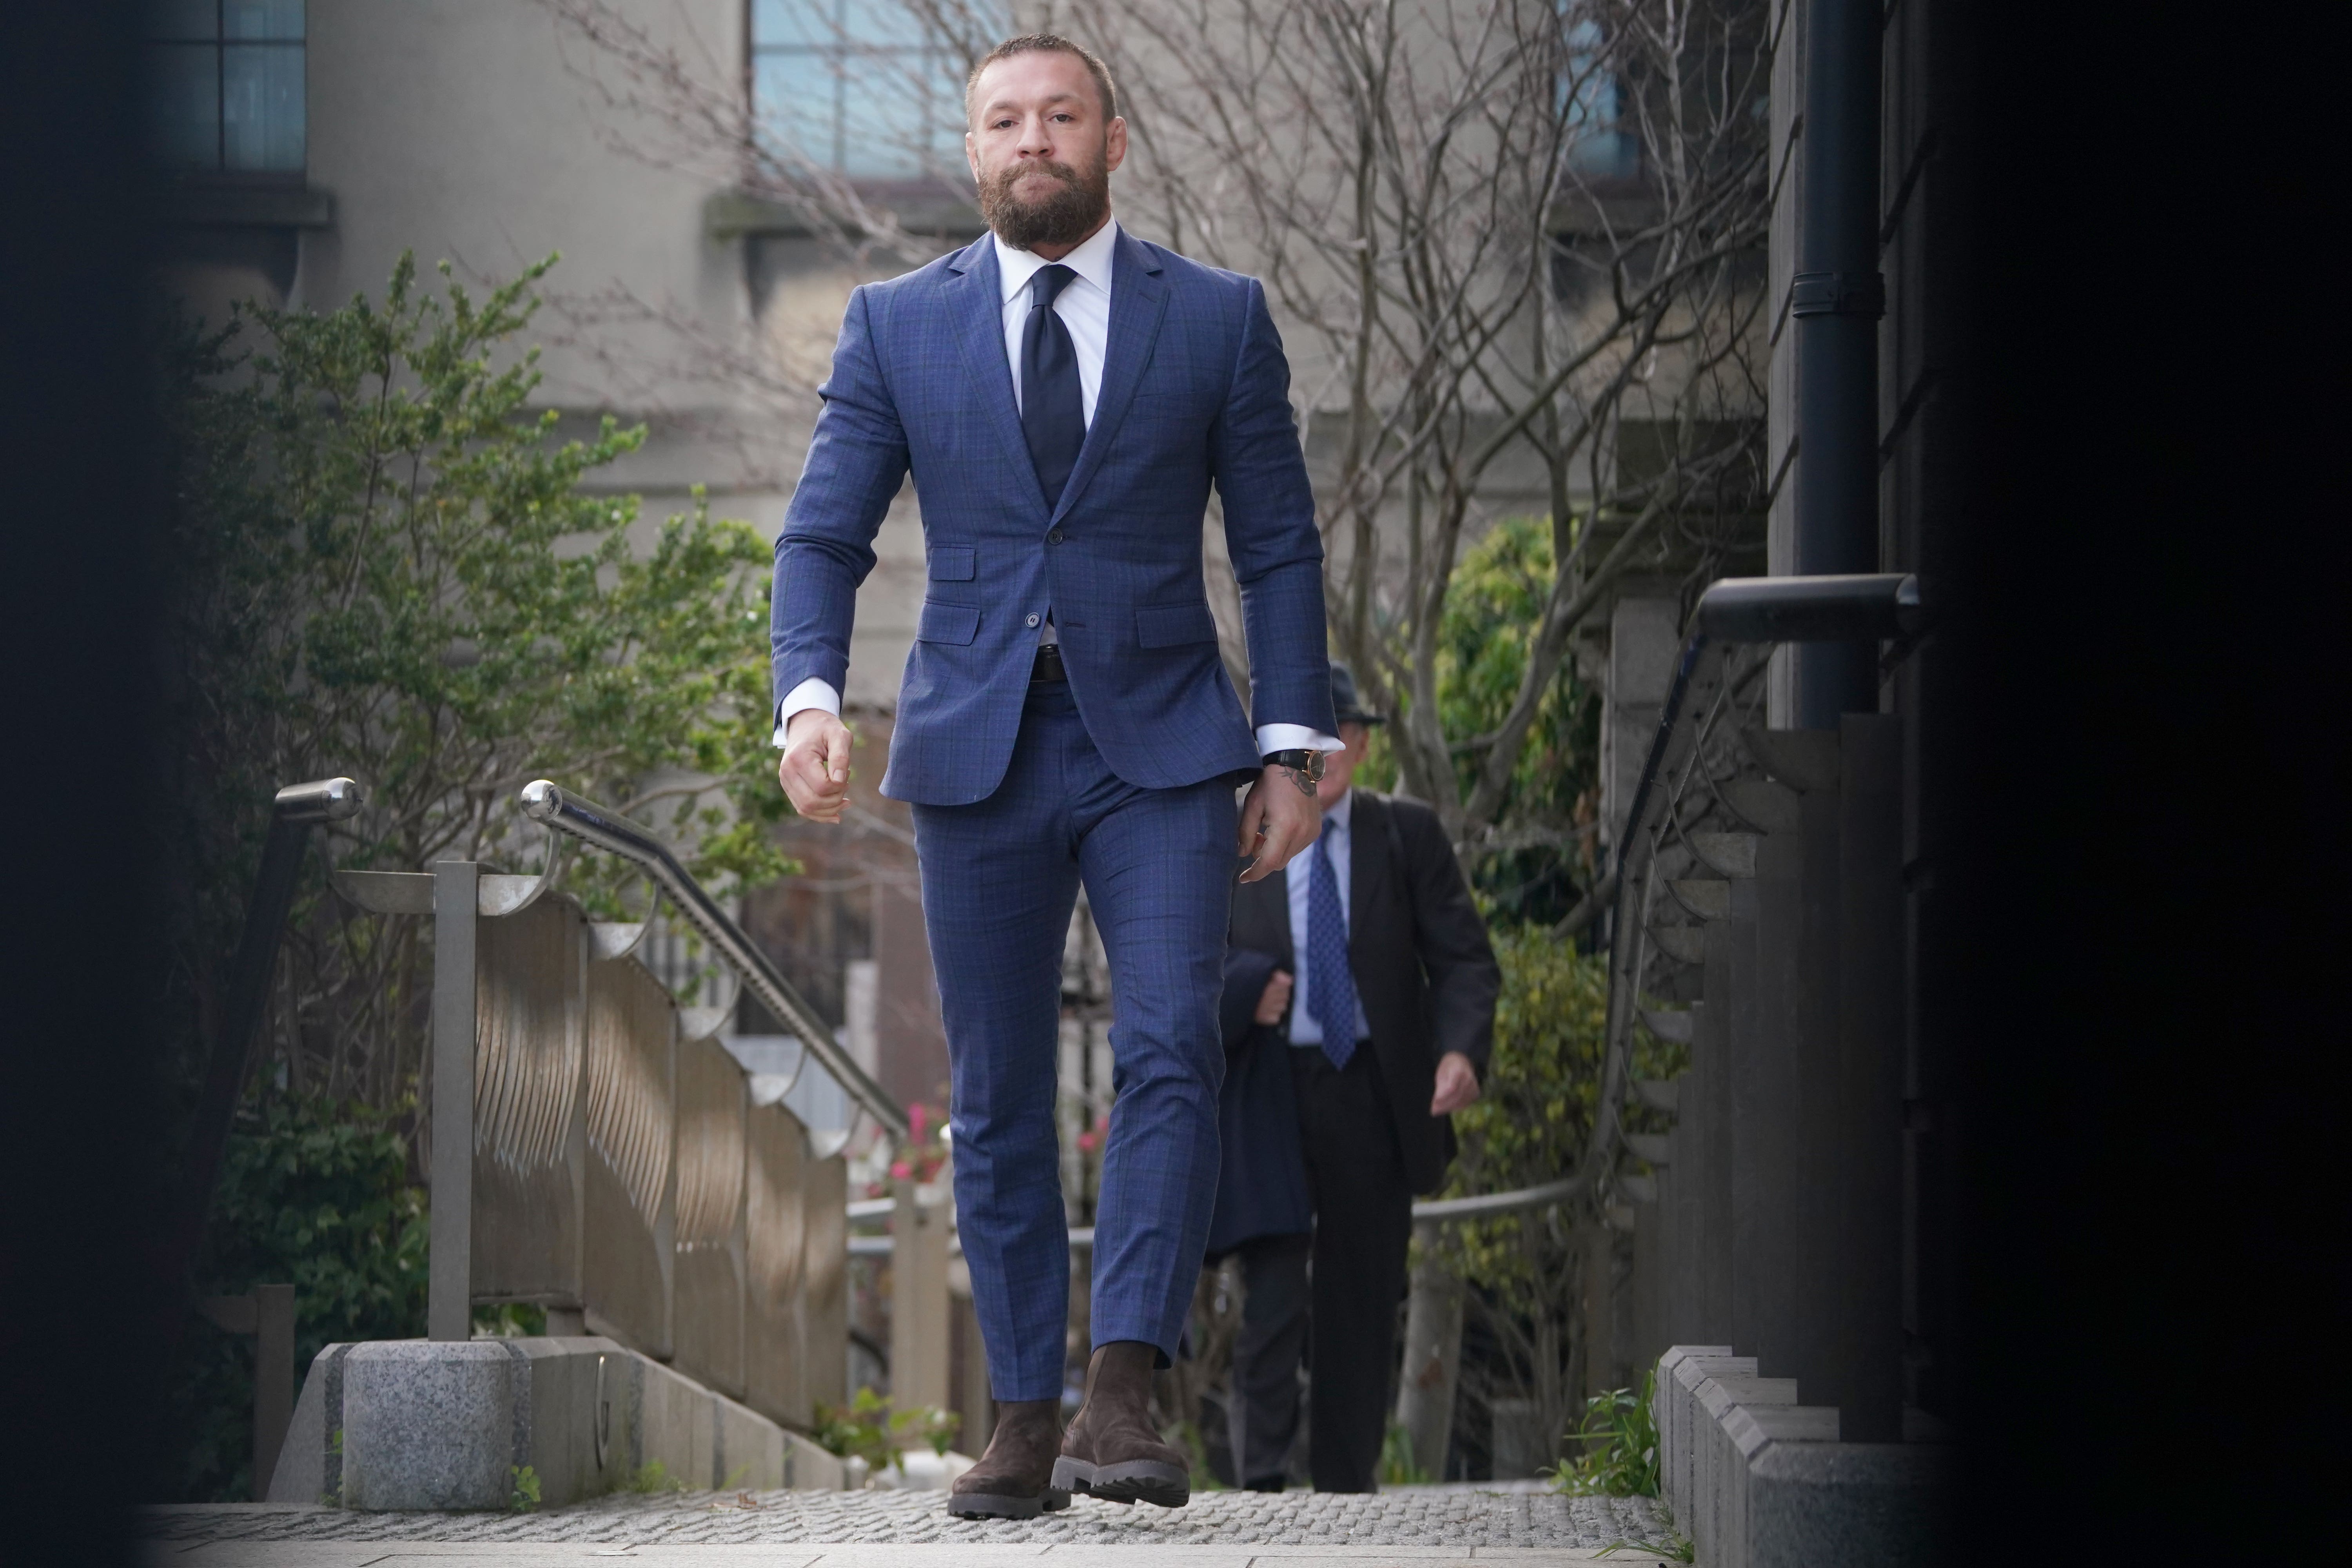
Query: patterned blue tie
(1330, 984)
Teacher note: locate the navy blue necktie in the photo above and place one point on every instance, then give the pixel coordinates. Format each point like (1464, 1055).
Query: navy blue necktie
(1330, 983)
(1053, 415)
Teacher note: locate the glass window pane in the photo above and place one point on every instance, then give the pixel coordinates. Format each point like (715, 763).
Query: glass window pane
(794, 22)
(898, 115)
(795, 97)
(186, 82)
(882, 24)
(262, 107)
(183, 18)
(262, 19)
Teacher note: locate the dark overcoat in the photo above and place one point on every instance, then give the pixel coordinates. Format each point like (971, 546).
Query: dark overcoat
(1426, 977)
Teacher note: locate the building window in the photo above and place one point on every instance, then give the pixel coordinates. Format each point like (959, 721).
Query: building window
(858, 88)
(1597, 149)
(228, 85)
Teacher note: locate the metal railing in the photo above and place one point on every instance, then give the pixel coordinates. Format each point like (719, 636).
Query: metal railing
(545, 802)
(1681, 784)
(598, 1149)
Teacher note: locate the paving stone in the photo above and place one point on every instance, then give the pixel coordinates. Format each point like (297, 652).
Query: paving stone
(1460, 1519)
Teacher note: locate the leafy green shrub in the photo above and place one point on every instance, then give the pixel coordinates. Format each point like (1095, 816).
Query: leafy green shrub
(866, 1429)
(1397, 1466)
(319, 1194)
(1620, 1436)
(1529, 1126)
(1494, 606)
(389, 565)
(386, 561)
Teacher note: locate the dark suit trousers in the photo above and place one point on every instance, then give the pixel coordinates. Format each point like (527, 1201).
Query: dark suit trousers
(1000, 876)
(1355, 1276)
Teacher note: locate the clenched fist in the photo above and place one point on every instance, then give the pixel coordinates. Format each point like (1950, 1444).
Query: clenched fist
(1275, 997)
(814, 770)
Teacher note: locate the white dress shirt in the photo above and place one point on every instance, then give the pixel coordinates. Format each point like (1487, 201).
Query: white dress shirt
(1083, 306)
(1338, 838)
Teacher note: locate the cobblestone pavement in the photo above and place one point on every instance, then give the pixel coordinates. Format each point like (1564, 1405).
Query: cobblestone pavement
(1459, 1518)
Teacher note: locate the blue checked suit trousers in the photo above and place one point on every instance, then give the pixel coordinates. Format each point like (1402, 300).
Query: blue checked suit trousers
(1000, 878)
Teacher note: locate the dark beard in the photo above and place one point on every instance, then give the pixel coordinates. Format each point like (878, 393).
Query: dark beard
(1073, 210)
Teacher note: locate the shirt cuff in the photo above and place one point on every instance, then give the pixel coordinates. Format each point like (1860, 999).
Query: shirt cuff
(814, 692)
(1272, 738)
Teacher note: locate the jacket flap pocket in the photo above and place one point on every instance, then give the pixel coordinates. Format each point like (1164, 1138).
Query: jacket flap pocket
(1173, 625)
(951, 563)
(947, 623)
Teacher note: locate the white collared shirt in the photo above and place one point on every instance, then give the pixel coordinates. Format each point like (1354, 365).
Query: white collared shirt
(1339, 839)
(1083, 306)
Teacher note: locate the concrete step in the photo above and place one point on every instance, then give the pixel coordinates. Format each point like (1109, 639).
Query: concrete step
(1805, 760)
(1650, 1148)
(1683, 944)
(1672, 1027)
(1727, 854)
(1702, 898)
(1769, 807)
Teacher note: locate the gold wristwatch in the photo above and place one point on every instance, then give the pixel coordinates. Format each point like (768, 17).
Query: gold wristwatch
(1305, 767)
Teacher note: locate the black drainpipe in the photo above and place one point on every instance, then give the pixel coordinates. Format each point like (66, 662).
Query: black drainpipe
(1837, 299)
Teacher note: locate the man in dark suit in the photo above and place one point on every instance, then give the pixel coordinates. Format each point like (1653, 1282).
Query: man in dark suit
(1359, 1012)
(1064, 395)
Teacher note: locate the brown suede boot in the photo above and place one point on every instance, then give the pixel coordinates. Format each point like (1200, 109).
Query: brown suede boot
(1012, 1479)
(1112, 1451)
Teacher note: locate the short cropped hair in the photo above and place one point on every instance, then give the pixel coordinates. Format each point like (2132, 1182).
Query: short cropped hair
(1044, 43)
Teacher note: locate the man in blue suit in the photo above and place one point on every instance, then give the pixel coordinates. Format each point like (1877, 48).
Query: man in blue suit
(1064, 395)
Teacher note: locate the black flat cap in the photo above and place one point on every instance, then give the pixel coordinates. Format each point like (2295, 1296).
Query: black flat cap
(1349, 707)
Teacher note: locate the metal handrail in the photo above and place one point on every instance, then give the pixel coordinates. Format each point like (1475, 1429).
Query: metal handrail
(546, 802)
(1428, 1211)
(293, 812)
(1733, 611)
(1487, 1206)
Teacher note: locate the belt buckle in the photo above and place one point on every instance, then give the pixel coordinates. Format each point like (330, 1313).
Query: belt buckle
(1048, 663)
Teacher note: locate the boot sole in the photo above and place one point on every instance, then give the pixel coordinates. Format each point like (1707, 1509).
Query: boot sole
(1000, 1505)
(1129, 1481)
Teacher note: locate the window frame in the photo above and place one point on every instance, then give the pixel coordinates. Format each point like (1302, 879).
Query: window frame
(831, 17)
(219, 43)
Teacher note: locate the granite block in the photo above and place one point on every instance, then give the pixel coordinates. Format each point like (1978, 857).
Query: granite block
(434, 1424)
(1848, 1505)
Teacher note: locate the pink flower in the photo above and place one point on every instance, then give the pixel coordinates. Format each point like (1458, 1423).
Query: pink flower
(901, 1170)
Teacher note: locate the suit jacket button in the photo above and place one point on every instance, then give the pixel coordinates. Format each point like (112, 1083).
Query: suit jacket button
(1033, 620)
(1055, 537)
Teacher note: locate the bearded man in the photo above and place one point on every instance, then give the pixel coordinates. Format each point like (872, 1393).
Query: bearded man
(1064, 395)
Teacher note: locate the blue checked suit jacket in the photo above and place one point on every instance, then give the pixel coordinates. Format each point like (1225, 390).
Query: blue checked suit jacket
(1194, 390)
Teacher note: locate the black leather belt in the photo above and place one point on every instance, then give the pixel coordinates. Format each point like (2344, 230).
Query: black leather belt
(1049, 664)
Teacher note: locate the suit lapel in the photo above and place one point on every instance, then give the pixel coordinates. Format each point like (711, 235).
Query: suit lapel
(1367, 843)
(1138, 299)
(976, 302)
